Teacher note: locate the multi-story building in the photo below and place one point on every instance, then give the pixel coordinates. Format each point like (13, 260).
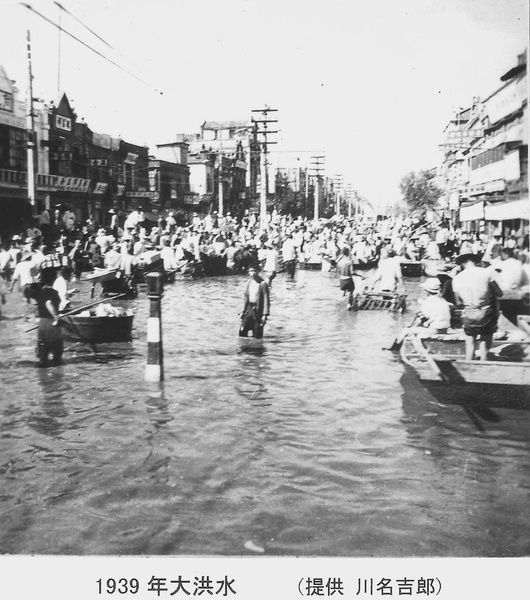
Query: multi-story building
(169, 177)
(75, 168)
(453, 176)
(486, 159)
(232, 149)
(498, 173)
(15, 210)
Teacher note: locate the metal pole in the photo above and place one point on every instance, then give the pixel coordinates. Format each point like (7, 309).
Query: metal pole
(154, 369)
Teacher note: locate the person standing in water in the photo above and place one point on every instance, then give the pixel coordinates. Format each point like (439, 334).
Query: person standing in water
(257, 305)
(345, 271)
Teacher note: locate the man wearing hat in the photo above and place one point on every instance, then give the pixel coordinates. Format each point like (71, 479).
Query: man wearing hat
(435, 311)
(477, 291)
(494, 247)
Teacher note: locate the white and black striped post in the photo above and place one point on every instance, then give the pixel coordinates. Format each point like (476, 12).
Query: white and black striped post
(154, 369)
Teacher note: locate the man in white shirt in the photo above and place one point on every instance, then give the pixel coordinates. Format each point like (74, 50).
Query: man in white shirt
(167, 254)
(289, 255)
(24, 273)
(507, 271)
(389, 272)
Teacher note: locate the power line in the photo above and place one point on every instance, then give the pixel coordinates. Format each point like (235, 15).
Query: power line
(85, 26)
(88, 46)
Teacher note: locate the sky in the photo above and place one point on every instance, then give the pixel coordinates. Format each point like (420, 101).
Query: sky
(369, 84)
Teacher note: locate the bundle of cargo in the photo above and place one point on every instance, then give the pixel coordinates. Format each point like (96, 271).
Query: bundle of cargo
(379, 301)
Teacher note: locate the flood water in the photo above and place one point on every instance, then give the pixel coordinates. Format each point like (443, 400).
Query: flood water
(312, 441)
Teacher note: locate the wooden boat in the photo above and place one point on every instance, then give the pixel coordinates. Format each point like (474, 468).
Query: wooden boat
(107, 282)
(366, 266)
(310, 266)
(97, 330)
(440, 364)
(412, 268)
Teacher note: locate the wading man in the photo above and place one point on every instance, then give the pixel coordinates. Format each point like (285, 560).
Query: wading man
(257, 305)
(50, 334)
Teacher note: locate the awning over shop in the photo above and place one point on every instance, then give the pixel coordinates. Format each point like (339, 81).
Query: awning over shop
(473, 212)
(506, 211)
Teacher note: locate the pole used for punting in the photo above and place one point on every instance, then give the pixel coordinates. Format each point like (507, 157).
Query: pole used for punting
(154, 369)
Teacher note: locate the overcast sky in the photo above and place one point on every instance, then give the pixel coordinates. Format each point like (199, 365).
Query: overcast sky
(369, 83)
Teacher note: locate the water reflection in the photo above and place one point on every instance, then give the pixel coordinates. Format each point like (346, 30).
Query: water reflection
(49, 411)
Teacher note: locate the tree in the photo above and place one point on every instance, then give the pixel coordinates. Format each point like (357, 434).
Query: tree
(420, 192)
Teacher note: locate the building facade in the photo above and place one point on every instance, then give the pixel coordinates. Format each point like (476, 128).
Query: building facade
(485, 168)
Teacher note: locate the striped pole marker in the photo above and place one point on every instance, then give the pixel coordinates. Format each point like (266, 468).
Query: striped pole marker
(154, 369)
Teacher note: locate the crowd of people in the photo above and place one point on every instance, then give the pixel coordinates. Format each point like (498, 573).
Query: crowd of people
(58, 250)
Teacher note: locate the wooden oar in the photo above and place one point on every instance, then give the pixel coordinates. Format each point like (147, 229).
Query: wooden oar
(422, 351)
(79, 309)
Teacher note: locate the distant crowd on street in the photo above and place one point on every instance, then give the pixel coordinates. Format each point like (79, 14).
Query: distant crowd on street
(281, 242)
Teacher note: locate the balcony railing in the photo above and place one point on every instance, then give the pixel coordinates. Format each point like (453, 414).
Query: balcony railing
(13, 177)
(44, 182)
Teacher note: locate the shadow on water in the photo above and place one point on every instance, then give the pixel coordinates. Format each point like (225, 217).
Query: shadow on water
(420, 397)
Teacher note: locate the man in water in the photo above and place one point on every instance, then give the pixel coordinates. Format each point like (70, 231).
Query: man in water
(49, 335)
(257, 305)
(345, 271)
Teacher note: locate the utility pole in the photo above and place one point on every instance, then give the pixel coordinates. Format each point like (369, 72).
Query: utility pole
(31, 131)
(337, 184)
(349, 191)
(220, 171)
(317, 161)
(264, 131)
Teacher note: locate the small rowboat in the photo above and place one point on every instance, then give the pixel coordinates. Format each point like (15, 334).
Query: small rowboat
(366, 266)
(439, 363)
(97, 330)
(412, 268)
(310, 266)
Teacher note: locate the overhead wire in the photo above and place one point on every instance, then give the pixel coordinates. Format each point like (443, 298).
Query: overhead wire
(62, 29)
(114, 49)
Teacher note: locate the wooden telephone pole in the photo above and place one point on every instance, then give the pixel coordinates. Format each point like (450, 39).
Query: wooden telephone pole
(317, 162)
(264, 131)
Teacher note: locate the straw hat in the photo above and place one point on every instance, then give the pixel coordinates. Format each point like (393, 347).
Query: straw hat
(432, 285)
(465, 256)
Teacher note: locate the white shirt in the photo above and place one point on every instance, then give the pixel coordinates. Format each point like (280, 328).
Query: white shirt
(389, 272)
(271, 260)
(437, 311)
(472, 285)
(61, 288)
(167, 254)
(253, 292)
(24, 273)
(508, 273)
(288, 250)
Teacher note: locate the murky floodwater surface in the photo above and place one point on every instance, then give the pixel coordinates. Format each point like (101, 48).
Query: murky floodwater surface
(313, 441)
